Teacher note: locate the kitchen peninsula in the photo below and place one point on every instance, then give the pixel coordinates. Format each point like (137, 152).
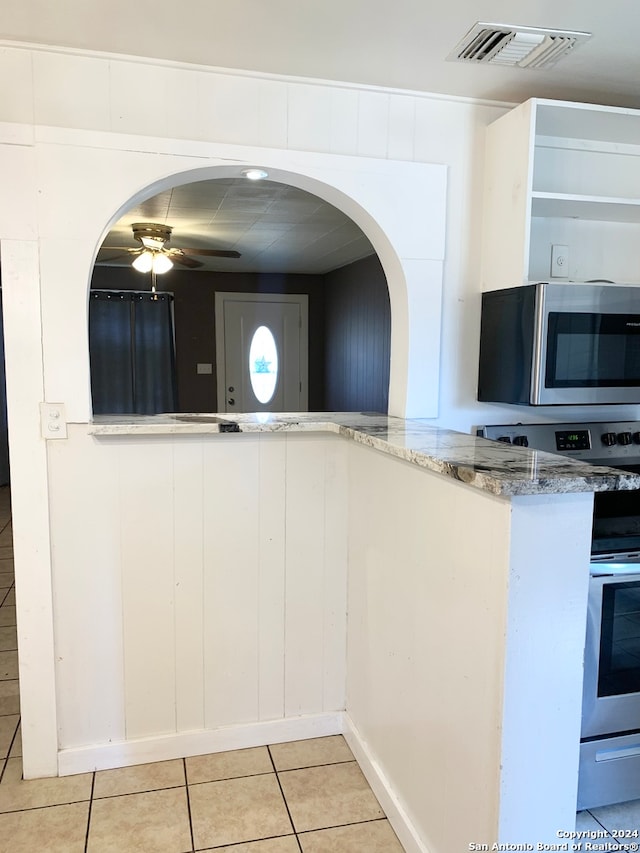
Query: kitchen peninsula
(273, 577)
(498, 468)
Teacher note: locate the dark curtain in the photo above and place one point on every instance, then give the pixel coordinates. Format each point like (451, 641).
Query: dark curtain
(132, 352)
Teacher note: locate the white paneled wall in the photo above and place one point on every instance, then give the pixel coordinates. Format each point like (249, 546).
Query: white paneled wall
(200, 582)
(464, 668)
(77, 146)
(427, 617)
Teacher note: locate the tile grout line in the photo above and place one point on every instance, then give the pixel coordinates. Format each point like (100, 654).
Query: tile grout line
(606, 829)
(284, 799)
(342, 825)
(86, 838)
(13, 740)
(186, 786)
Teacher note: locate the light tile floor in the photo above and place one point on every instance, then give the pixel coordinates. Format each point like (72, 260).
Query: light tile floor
(303, 797)
(620, 818)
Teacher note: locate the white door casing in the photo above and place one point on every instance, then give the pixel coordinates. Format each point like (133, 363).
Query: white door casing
(238, 317)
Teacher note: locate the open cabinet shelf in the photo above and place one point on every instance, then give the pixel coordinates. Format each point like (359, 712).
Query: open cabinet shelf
(560, 173)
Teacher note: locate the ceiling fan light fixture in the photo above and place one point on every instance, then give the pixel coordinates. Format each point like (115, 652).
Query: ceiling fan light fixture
(152, 261)
(255, 174)
(144, 262)
(161, 263)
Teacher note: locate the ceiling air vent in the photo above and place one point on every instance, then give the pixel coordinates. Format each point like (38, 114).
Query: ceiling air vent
(526, 47)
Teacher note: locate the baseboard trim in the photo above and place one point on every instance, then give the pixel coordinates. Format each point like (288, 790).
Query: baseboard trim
(375, 776)
(164, 747)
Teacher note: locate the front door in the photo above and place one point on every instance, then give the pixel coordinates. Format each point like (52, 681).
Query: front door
(261, 352)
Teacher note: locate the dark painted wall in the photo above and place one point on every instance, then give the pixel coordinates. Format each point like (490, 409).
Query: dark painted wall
(357, 338)
(349, 330)
(194, 307)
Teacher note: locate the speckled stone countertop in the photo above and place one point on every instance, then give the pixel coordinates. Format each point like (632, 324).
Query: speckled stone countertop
(492, 466)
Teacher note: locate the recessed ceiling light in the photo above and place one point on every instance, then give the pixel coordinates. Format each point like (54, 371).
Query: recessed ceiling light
(255, 174)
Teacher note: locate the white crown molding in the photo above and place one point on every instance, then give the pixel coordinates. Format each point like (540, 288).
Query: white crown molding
(256, 75)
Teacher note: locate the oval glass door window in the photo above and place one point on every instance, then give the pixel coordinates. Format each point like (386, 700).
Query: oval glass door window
(263, 364)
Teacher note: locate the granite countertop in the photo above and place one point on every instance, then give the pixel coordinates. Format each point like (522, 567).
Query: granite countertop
(492, 466)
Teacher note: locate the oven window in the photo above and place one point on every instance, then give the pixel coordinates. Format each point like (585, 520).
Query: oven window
(592, 350)
(616, 519)
(619, 669)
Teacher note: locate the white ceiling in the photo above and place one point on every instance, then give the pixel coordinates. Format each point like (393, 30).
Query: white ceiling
(403, 45)
(275, 227)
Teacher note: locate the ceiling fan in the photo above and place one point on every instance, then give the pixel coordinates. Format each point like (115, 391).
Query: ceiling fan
(153, 254)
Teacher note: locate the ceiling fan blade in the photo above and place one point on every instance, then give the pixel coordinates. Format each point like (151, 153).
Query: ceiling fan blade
(105, 256)
(211, 253)
(184, 261)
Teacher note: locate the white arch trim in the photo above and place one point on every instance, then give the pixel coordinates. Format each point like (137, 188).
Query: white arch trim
(400, 206)
(63, 188)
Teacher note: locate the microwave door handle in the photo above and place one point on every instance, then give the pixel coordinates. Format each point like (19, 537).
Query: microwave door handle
(539, 354)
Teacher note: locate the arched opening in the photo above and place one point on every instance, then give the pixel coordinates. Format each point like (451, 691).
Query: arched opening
(400, 207)
(234, 235)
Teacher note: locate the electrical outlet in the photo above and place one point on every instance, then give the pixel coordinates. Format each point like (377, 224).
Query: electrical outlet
(559, 261)
(53, 421)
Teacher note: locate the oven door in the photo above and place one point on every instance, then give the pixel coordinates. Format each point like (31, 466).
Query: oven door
(611, 697)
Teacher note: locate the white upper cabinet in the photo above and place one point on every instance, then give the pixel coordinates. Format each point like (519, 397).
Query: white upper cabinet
(567, 175)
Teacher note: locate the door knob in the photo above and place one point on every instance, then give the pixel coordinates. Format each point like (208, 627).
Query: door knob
(231, 401)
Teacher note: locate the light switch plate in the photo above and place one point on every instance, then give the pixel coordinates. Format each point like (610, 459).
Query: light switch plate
(53, 420)
(204, 368)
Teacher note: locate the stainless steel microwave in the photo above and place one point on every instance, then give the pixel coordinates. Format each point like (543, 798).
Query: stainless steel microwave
(552, 344)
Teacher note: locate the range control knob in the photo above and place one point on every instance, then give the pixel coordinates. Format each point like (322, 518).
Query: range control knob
(504, 438)
(521, 441)
(609, 438)
(624, 438)
(636, 438)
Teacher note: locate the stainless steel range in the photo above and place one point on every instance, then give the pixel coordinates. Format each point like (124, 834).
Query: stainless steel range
(610, 735)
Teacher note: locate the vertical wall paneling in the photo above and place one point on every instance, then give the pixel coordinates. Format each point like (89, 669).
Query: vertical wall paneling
(309, 119)
(373, 123)
(17, 101)
(305, 555)
(231, 566)
(272, 113)
(272, 497)
(344, 121)
(188, 582)
(334, 603)
(29, 493)
(212, 571)
(85, 548)
(54, 103)
(221, 112)
(149, 117)
(426, 633)
(402, 124)
(147, 538)
(357, 338)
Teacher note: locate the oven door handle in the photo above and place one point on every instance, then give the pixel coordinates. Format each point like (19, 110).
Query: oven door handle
(621, 752)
